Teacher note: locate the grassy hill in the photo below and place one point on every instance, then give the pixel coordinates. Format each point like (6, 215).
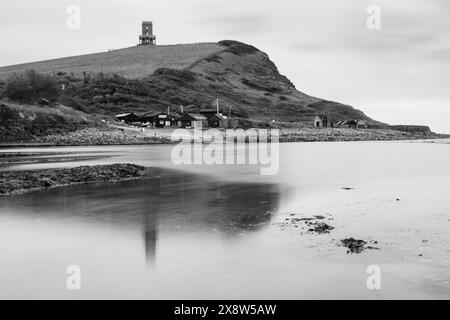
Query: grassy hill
(134, 62)
(152, 78)
(21, 122)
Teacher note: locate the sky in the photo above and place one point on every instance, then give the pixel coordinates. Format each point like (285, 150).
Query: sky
(398, 73)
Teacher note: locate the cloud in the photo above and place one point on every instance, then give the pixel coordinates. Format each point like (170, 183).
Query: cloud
(310, 46)
(244, 23)
(438, 55)
(386, 41)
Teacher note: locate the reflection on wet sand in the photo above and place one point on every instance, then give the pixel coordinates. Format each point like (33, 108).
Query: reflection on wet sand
(170, 202)
(150, 227)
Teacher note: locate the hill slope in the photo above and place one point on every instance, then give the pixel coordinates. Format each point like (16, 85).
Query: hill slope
(20, 122)
(244, 78)
(248, 79)
(134, 62)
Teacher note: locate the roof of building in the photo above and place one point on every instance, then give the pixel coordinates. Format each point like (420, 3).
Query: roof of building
(156, 113)
(152, 114)
(193, 117)
(218, 116)
(122, 115)
(349, 122)
(198, 116)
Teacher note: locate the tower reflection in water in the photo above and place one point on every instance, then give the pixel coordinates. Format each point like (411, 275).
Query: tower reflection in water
(169, 202)
(189, 202)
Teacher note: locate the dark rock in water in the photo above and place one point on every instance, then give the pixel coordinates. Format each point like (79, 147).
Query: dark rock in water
(320, 227)
(356, 246)
(353, 245)
(13, 182)
(313, 224)
(294, 220)
(348, 188)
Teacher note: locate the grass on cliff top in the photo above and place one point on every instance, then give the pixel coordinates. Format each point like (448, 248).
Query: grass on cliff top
(133, 62)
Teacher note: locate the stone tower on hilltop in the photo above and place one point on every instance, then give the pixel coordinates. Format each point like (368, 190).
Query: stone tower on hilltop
(147, 36)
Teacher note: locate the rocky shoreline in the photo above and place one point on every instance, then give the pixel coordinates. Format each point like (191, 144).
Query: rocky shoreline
(100, 136)
(113, 136)
(339, 134)
(18, 182)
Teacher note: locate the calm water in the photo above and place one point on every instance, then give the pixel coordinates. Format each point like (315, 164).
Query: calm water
(214, 231)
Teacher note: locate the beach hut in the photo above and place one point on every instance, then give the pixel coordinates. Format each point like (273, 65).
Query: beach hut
(217, 120)
(158, 119)
(352, 124)
(321, 121)
(128, 118)
(192, 120)
(361, 124)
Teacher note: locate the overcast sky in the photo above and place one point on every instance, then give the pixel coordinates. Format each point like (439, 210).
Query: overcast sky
(399, 74)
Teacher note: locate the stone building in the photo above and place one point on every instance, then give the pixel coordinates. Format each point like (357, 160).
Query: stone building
(147, 37)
